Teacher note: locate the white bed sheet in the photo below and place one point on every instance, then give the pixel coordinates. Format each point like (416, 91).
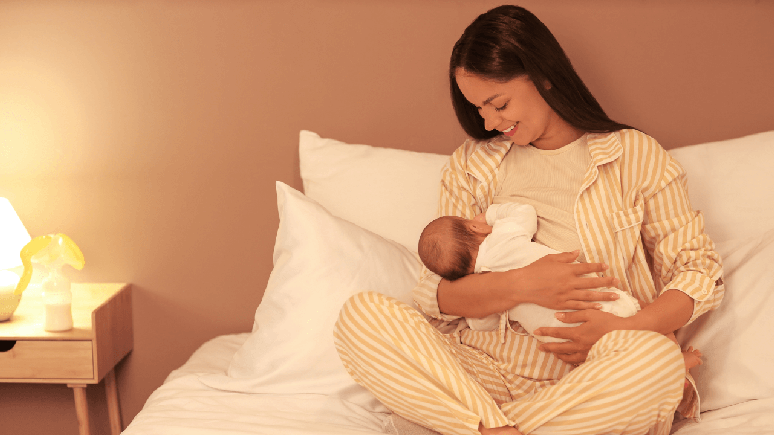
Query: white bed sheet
(755, 417)
(183, 405)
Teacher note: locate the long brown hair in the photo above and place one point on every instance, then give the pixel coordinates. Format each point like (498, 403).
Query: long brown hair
(509, 42)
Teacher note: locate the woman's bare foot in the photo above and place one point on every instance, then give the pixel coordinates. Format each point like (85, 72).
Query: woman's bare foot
(505, 430)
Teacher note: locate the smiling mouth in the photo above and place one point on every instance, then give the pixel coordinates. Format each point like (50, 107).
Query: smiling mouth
(510, 131)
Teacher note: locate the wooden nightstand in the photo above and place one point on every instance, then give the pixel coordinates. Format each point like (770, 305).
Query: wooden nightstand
(101, 336)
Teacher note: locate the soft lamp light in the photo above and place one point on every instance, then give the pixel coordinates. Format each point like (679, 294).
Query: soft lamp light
(13, 237)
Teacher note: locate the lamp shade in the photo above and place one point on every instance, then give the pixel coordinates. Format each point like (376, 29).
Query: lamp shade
(13, 236)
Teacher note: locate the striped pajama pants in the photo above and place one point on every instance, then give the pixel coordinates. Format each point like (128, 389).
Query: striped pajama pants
(631, 382)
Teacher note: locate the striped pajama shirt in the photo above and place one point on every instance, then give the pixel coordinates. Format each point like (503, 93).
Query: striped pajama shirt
(633, 214)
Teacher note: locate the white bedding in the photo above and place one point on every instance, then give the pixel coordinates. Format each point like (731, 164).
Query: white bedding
(184, 405)
(755, 417)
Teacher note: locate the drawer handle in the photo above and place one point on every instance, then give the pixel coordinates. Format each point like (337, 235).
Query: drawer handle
(6, 345)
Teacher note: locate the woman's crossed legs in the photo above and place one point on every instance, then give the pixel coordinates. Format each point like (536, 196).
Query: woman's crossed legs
(631, 381)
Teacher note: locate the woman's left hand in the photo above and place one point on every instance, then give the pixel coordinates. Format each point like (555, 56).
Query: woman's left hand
(593, 325)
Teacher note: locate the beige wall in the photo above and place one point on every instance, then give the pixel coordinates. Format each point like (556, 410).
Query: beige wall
(152, 132)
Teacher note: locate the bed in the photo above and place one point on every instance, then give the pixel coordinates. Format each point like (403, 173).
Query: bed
(355, 228)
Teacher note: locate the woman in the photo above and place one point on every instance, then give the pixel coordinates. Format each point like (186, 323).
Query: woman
(607, 195)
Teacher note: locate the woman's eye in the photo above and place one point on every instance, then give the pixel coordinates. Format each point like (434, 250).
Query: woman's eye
(501, 108)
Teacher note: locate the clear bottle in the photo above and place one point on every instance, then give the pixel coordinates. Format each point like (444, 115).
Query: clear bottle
(57, 299)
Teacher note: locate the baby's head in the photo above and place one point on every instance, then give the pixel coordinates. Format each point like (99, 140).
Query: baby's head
(449, 245)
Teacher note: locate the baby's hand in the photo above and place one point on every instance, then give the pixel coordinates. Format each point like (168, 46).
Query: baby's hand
(481, 217)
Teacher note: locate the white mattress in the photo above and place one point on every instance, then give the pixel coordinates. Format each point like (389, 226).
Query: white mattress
(183, 405)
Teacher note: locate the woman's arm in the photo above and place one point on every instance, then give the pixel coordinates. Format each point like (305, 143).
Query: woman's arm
(684, 261)
(668, 313)
(553, 281)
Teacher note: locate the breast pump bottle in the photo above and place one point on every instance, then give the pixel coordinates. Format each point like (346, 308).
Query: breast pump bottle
(52, 251)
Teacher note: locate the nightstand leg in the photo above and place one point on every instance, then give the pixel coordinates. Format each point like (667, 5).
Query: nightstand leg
(114, 411)
(81, 408)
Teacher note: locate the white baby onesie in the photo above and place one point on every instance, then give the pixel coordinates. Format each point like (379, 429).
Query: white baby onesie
(510, 246)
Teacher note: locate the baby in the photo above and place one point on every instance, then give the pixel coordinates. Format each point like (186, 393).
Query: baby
(500, 240)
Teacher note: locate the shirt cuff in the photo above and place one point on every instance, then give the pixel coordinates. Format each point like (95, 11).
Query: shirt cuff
(426, 297)
(705, 291)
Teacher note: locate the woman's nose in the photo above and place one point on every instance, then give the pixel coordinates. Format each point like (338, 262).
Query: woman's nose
(491, 118)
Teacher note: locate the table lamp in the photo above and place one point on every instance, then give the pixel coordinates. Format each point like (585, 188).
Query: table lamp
(13, 237)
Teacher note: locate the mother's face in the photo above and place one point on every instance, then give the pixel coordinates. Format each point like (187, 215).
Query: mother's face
(514, 108)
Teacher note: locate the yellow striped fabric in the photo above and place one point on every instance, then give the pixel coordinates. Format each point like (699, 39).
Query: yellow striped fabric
(630, 384)
(632, 213)
(416, 371)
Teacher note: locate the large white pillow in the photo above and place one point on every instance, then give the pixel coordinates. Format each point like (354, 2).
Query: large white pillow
(393, 193)
(732, 183)
(319, 261)
(736, 338)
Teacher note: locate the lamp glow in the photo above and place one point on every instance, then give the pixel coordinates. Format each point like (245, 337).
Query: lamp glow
(13, 237)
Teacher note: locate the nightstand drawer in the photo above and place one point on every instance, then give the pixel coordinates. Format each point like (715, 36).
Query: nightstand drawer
(36, 359)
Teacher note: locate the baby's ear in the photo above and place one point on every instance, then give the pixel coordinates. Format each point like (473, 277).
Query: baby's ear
(480, 227)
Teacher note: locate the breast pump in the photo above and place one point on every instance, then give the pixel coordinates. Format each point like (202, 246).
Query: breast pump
(52, 251)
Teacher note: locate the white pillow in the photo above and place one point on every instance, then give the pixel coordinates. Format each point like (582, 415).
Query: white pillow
(393, 193)
(736, 338)
(319, 261)
(732, 183)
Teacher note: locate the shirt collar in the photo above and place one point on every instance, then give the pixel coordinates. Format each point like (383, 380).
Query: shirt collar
(604, 147)
(483, 163)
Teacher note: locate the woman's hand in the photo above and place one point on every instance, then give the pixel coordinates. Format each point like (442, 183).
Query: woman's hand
(670, 311)
(555, 282)
(593, 325)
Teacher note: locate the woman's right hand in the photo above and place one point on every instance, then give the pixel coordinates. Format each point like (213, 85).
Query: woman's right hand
(557, 282)
(553, 281)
